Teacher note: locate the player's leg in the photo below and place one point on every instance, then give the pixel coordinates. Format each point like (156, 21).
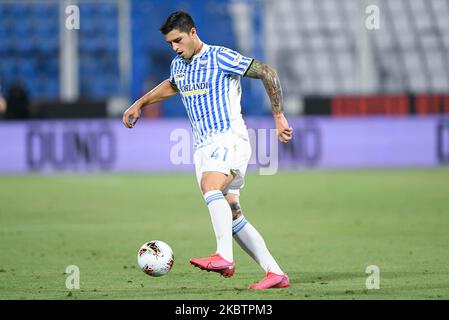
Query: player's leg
(212, 184)
(249, 238)
(252, 242)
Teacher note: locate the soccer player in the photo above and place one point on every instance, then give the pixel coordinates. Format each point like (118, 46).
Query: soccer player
(208, 79)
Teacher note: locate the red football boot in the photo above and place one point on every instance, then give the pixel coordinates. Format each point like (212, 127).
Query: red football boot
(215, 263)
(271, 280)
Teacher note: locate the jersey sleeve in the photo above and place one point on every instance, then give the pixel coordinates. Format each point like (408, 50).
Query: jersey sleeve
(232, 62)
(172, 74)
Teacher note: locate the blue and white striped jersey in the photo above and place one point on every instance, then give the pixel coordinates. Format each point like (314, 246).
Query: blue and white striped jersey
(210, 89)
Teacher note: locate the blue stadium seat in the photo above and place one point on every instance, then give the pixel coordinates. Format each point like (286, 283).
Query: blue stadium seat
(88, 25)
(24, 47)
(108, 25)
(38, 25)
(30, 86)
(21, 27)
(98, 88)
(87, 10)
(26, 67)
(89, 44)
(52, 87)
(107, 10)
(18, 10)
(113, 85)
(43, 9)
(47, 87)
(4, 40)
(49, 44)
(45, 28)
(7, 69)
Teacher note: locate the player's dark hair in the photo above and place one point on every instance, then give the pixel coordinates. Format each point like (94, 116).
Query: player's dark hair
(178, 20)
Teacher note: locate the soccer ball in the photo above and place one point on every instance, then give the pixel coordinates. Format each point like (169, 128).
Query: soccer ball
(155, 258)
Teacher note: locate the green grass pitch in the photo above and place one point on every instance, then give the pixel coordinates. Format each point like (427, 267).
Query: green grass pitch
(323, 227)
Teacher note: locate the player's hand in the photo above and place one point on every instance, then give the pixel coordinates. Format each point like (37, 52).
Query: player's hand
(132, 112)
(283, 131)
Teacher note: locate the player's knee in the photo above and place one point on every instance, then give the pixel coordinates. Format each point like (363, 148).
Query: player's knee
(213, 181)
(236, 210)
(207, 185)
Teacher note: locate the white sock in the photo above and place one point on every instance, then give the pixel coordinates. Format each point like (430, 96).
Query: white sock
(221, 216)
(252, 242)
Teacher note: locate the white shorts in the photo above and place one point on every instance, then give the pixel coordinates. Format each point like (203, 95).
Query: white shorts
(227, 152)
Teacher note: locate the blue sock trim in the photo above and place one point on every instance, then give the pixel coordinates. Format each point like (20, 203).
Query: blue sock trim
(213, 197)
(239, 226)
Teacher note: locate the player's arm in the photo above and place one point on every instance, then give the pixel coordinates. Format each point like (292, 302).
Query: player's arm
(272, 84)
(163, 91)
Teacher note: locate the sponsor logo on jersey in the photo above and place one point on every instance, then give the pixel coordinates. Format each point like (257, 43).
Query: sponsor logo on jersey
(179, 76)
(194, 89)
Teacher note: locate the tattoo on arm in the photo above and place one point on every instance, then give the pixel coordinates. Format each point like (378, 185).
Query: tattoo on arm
(270, 79)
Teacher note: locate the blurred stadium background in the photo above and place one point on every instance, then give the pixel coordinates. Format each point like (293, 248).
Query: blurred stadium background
(358, 96)
(333, 59)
